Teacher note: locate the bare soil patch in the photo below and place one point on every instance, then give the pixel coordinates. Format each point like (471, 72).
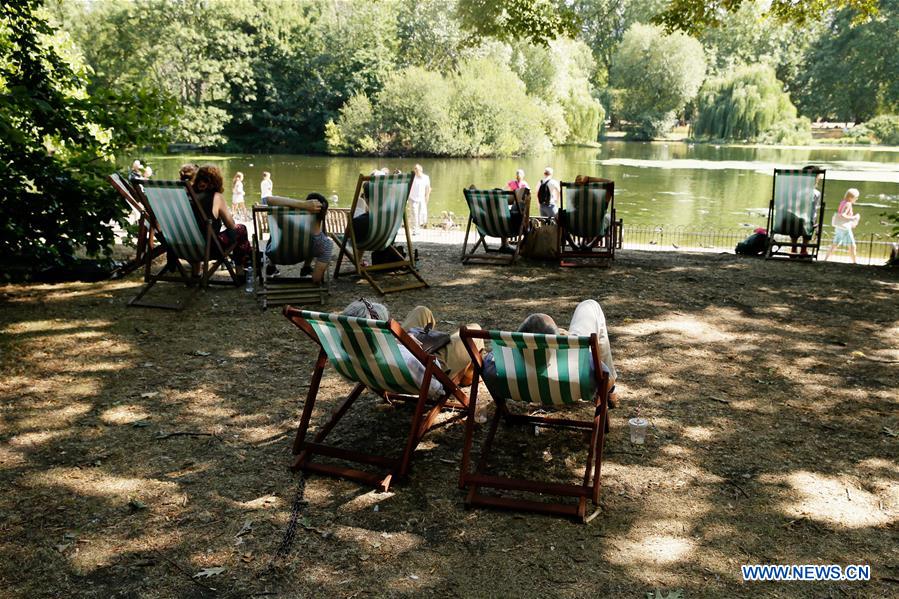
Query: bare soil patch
(140, 447)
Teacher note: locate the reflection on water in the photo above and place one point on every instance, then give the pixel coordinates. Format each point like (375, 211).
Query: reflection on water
(656, 183)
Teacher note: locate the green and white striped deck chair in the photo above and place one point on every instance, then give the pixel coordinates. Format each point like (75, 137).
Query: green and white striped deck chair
(173, 210)
(290, 232)
(373, 355)
(550, 371)
(386, 199)
(795, 213)
(490, 210)
(587, 226)
(146, 236)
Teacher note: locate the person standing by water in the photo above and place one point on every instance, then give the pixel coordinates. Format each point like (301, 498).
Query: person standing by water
(266, 186)
(518, 182)
(843, 221)
(238, 196)
(548, 194)
(419, 196)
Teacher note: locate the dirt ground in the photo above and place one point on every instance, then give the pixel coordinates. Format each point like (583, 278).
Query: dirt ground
(139, 447)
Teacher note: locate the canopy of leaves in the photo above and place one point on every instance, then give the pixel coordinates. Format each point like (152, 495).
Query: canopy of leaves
(57, 143)
(536, 20)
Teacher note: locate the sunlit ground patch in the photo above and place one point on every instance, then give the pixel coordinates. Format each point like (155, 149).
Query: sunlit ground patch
(127, 414)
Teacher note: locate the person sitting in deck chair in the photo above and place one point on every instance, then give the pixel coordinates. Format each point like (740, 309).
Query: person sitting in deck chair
(801, 224)
(453, 357)
(588, 318)
(322, 246)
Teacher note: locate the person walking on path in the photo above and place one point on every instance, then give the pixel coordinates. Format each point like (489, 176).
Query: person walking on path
(419, 197)
(843, 221)
(548, 194)
(238, 196)
(265, 188)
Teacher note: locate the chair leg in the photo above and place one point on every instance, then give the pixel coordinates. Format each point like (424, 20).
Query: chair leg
(469, 430)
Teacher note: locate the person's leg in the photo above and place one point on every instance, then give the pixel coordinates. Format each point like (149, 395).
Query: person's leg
(419, 317)
(455, 356)
(805, 240)
(322, 250)
(852, 253)
(424, 214)
(588, 318)
(416, 215)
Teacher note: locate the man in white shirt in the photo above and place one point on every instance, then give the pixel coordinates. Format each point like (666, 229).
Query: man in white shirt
(419, 198)
(548, 194)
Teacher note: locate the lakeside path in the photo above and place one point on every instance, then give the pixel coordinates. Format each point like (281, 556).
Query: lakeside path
(771, 389)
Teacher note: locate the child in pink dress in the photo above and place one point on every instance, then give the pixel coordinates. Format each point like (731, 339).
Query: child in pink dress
(843, 221)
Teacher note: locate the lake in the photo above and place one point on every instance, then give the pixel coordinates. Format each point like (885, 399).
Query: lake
(699, 186)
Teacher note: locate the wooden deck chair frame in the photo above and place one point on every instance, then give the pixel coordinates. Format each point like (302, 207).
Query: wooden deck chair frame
(336, 222)
(208, 266)
(596, 250)
(275, 291)
(598, 426)
(146, 236)
(397, 268)
(390, 468)
(484, 230)
(776, 246)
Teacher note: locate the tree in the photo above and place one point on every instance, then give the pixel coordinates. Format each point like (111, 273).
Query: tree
(658, 74)
(57, 143)
(746, 105)
(506, 20)
(852, 71)
(695, 16)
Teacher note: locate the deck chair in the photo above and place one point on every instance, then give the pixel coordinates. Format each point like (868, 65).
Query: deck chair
(491, 213)
(368, 354)
(336, 222)
(144, 241)
(289, 242)
(173, 210)
(796, 211)
(587, 225)
(386, 198)
(546, 370)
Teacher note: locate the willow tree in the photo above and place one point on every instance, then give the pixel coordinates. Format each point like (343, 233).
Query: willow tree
(743, 105)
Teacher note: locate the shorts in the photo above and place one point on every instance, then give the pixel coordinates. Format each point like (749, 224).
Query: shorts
(843, 236)
(322, 247)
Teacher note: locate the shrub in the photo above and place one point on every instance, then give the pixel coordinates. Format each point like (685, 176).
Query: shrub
(885, 129)
(794, 132)
(584, 115)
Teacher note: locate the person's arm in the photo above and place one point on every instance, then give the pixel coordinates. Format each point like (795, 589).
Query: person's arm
(220, 210)
(846, 210)
(313, 206)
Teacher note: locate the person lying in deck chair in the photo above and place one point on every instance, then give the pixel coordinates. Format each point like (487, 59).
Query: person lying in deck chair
(587, 319)
(453, 357)
(322, 246)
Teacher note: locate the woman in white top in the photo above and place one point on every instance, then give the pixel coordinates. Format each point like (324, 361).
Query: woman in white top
(238, 195)
(419, 196)
(266, 186)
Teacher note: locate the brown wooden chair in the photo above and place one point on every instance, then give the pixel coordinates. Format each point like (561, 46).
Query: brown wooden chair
(373, 355)
(587, 224)
(549, 371)
(146, 235)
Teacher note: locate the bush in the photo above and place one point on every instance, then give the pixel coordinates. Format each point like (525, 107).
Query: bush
(584, 115)
(885, 129)
(749, 104)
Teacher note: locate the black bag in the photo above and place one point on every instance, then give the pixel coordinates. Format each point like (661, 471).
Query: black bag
(543, 196)
(430, 340)
(754, 245)
(394, 253)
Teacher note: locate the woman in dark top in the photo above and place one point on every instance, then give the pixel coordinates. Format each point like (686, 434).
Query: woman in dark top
(208, 187)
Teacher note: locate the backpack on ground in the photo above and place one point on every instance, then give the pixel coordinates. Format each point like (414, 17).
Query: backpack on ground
(754, 245)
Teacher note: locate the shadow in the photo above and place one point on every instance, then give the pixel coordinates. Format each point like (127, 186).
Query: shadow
(143, 447)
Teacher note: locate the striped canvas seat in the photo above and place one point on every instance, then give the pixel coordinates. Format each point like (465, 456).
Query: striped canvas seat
(379, 356)
(290, 234)
(586, 209)
(174, 212)
(491, 212)
(363, 351)
(795, 203)
(386, 200)
(542, 369)
(547, 370)
(386, 197)
(795, 213)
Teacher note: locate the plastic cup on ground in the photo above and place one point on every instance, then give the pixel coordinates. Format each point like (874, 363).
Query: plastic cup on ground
(638, 427)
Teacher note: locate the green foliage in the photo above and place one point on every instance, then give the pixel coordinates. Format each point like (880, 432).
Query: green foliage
(536, 20)
(749, 104)
(658, 74)
(57, 144)
(695, 16)
(483, 110)
(885, 129)
(853, 71)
